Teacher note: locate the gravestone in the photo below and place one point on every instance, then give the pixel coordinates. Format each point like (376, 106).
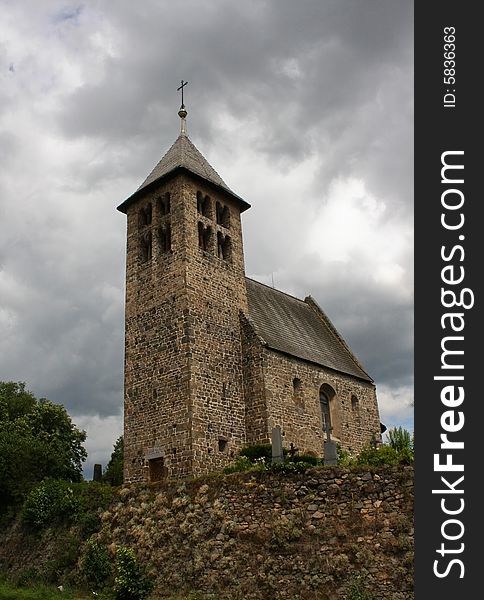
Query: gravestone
(330, 453)
(277, 452)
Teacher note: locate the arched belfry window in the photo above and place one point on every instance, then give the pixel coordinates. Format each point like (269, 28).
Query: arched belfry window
(164, 204)
(223, 215)
(145, 215)
(146, 247)
(203, 204)
(164, 236)
(204, 237)
(326, 394)
(224, 246)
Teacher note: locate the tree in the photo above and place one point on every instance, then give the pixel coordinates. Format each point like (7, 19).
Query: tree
(400, 439)
(37, 440)
(114, 470)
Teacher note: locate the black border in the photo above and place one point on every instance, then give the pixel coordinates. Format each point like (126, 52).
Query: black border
(439, 129)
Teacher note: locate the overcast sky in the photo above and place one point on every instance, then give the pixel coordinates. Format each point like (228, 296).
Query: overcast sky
(304, 108)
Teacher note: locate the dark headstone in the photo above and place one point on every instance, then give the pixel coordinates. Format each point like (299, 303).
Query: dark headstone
(98, 473)
(277, 452)
(330, 453)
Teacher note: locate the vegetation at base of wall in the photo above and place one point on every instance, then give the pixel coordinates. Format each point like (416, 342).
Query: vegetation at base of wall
(54, 500)
(258, 457)
(9, 591)
(131, 581)
(95, 567)
(355, 590)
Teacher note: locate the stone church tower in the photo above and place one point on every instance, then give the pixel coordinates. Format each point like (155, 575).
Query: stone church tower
(213, 359)
(185, 286)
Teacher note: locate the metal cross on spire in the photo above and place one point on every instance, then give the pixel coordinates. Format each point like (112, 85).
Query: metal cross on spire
(182, 113)
(183, 84)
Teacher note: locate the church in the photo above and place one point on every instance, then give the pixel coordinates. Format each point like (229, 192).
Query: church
(215, 360)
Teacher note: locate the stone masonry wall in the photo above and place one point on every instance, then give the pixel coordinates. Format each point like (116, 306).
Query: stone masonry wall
(254, 363)
(299, 415)
(157, 411)
(216, 293)
(272, 400)
(264, 536)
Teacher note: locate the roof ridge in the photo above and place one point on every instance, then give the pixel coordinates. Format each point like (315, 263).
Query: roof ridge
(276, 290)
(311, 302)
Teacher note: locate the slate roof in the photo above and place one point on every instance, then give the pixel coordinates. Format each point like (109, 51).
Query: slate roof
(294, 327)
(183, 155)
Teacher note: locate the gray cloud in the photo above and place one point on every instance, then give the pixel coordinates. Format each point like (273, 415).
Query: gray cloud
(290, 102)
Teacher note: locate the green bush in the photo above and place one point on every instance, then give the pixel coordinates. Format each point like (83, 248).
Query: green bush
(131, 581)
(306, 458)
(257, 451)
(376, 457)
(289, 467)
(384, 455)
(50, 500)
(355, 590)
(240, 465)
(96, 565)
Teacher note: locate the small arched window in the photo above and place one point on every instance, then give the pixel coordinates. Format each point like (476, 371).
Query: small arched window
(203, 204)
(355, 403)
(164, 204)
(224, 246)
(223, 215)
(144, 216)
(326, 394)
(204, 237)
(297, 391)
(164, 236)
(146, 247)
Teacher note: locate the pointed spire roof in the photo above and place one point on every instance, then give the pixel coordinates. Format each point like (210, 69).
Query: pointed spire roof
(183, 155)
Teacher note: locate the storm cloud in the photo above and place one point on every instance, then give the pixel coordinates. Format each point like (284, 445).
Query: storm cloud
(306, 111)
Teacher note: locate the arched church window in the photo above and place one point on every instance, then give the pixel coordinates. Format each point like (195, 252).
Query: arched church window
(204, 237)
(164, 204)
(297, 389)
(224, 247)
(165, 238)
(355, 403)
(326, 394)
(223, 215)
(146, 247)
(145, 214)
(203, 204)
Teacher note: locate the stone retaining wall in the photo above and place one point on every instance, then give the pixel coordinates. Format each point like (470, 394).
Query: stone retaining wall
(262, 536)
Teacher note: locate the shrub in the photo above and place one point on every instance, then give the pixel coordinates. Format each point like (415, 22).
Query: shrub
(376, 457)
(131, 581)
(96, 565)
(49, 500)
(399, 439)
(345, 457)
(257, 451)
(355, 590)
(306, 458)
(240, 465)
